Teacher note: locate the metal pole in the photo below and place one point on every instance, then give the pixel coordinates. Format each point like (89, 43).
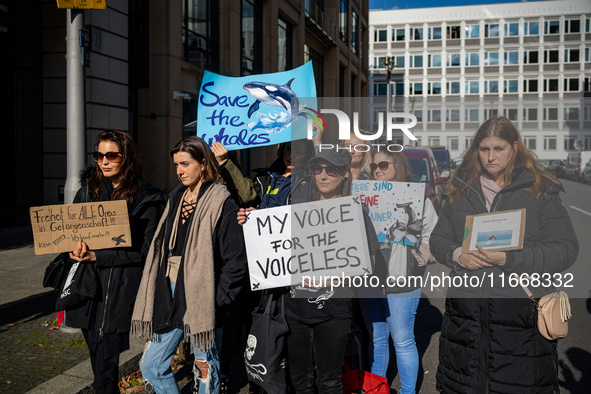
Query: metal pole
(75, 104)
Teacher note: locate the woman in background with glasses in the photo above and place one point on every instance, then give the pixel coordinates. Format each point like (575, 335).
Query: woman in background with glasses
(105, 321)
(395, 314)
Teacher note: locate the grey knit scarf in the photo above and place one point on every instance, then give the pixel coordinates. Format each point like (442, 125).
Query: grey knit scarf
(198, 271)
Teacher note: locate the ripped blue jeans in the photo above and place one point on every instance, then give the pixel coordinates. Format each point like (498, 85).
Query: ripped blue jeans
(158, 354)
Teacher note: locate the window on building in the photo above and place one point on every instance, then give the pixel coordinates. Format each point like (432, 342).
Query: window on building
(344, 21)
(551, 113)
(434, 61)
(471, 114)
(201, 33)
(378, 62)
(511, 113)
(453, 60)
(491, 86)
(510, 86)
(571, 113)
(587, 25)
(433, 88)
(571, 84)
(453, 143)
(511, 57)
(416, 34)
(587, 116)
(551, 27)
(452, 115)
(587, 55)
(468, 142)
(433, 141)
(472, 59)
(416, 61)
(453, 32)
(572, 55)
(530, 85)
(416, 88)
(550, 85)
(399, 89)
(587, 84)
(452, 87)
(572, 26)
(491, 30)
(491, 58)
(434, 115)
(418, 113)
(530, 142)
(380, 35)
(284, 46)
(399, 62)
(398, 34)
(380, 89)
(530, 114)
(354, 32)
(549, 143)
(472, 31)
(551, 56)
(530, 57)
(570, 142)
(531, 28)
(511, 29)
(490, 113)
(472, 87)
(318, 67)
(435, 33)
(251, 38)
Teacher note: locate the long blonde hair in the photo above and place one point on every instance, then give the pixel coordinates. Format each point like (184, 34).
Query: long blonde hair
(471, 167)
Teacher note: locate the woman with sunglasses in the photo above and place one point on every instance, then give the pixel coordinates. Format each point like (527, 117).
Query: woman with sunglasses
(105, 321)
(195, 269)
(395, 314)
(320, 319)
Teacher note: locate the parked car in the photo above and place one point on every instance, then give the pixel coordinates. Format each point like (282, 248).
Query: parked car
(555, 167)
(575, 164)
(424, 169)
(587, 173)
(444, 163)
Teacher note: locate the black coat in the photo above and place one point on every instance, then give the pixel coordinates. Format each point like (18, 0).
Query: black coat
(489, 341)
(119, 269)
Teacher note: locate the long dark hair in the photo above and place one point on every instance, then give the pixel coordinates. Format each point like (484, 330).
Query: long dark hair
(132, 174)
(200, 151)
(403, 173)
(471, 167)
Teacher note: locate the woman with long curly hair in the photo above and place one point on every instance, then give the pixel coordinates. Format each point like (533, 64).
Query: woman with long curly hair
(489, 340)
(105, 321)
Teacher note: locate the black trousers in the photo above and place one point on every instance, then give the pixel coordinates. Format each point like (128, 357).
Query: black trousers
(104, 357)
(319, 347)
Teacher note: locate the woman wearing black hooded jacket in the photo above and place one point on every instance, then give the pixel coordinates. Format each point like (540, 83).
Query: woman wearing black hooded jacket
(106, 320)
(489, 339)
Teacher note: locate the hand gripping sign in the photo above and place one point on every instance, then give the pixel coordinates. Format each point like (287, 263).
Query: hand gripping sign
(321, 238)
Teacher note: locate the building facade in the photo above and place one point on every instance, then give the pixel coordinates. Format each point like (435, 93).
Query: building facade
(455, 67)
(143, 54)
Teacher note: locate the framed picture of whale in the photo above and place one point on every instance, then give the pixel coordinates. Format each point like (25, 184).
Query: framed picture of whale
(500, 231)
(257, 110)
(395, 209)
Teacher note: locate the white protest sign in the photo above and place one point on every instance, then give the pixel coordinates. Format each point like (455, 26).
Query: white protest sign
(320, 238)
(395, 209)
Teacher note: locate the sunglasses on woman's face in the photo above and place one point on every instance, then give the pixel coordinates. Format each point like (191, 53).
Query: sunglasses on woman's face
(382, 165)
(330, 170)
(114, 157)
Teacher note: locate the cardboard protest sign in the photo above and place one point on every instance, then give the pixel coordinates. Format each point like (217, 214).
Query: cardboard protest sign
(500, 231)
(256, 110)
(395, 209)
(321, 238)
(57, 228)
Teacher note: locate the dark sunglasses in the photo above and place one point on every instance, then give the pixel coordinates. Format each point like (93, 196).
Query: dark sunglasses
(114, 157)
(382, 165)
(330, 170)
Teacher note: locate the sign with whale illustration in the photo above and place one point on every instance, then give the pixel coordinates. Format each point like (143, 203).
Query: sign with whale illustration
(257, 110)
(395, 209)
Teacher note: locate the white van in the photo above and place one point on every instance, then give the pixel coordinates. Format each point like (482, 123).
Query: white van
(575, 164)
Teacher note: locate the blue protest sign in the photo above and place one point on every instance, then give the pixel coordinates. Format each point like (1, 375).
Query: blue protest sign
(256, 110)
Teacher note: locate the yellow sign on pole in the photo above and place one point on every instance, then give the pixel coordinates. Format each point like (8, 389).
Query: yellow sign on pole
(98, 4)
(83, 4)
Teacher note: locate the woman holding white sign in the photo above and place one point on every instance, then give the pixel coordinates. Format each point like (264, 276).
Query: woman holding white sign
(395, 314)
(105, 322)
(489, 340)
(194, 271)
